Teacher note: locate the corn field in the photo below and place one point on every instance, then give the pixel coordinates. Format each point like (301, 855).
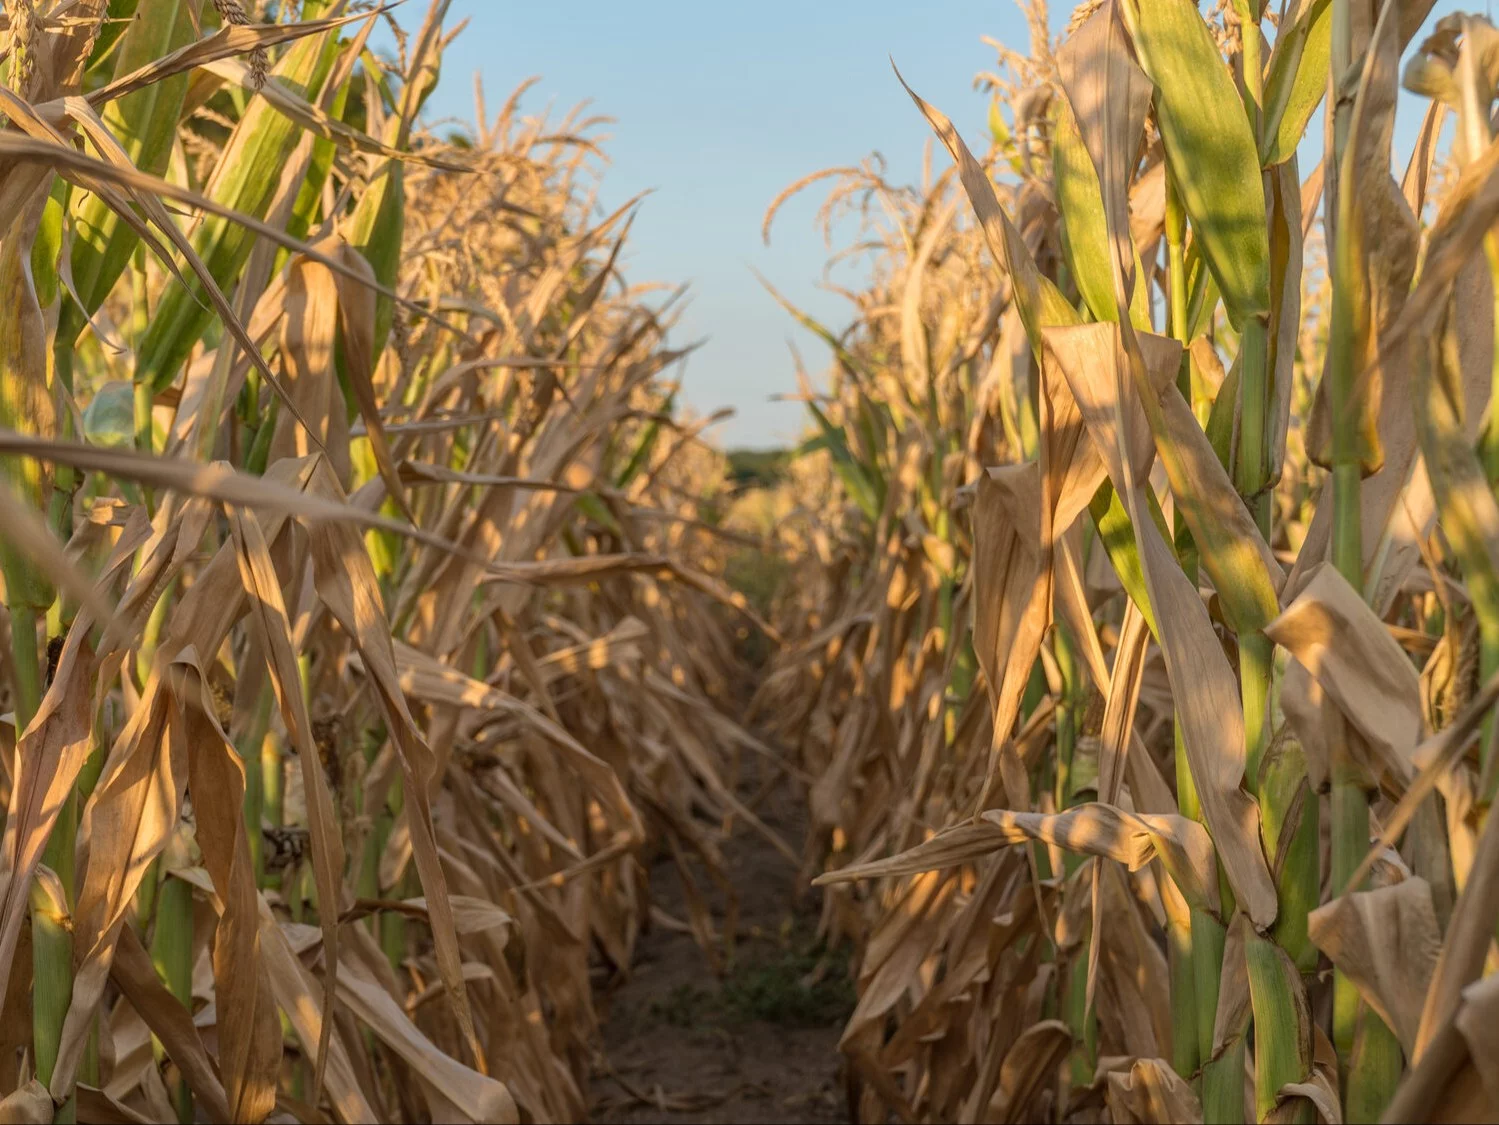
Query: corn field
(1133, 644)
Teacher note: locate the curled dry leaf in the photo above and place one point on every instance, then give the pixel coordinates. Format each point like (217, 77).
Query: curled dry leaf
(1151, 1093)
(1094, 829)
(1334, 634)
(1386, 941)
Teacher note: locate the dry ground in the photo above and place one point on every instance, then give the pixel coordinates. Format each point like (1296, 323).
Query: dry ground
(757, 1044)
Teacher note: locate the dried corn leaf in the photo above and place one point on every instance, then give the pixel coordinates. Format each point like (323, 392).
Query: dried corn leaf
(1386, 940)
(1151, 1093)
(1334, 634)
(1089, 829)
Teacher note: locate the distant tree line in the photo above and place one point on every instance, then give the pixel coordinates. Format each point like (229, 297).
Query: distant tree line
(757, 468)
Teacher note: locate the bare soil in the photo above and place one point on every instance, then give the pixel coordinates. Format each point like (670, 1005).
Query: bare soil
(757, 1043)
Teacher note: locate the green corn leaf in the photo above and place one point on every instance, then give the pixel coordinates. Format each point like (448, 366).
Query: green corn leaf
(376, 230)
(1210, 148)
(641, 455)
(246, 180)
(309, 199)
(1040, 302)
(1203, 302)
(1004, 139)
(1231, 548)
(848, 468)
(851, 363)
(27, 405)
(47, 248)
(1220, 427)
(118, 18)
(1296, 81)
(145, 124)
(1085, 238)
(1117, 534)
(1283, 1029)
(1084, 229)
(874, 422)
(596, 510)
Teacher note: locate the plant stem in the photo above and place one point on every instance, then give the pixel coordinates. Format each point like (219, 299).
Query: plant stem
(1288, 804)
(249, 751)
(1282, 1053)
(145, 653)
(393, 927)
(144, 403)
(1251, 470)
(66, 479)
(1223, 1077)
(1222, 1082)
(26, 668)
(1488, 653)
(1371, 1071)
(1084, 1023)
(172, 954)
(1254, 69)
(140, 316)
(1186, 1047)
(52, 954)
(271, 780)
(51, 927)
(1375, 1068)
(1256, 672)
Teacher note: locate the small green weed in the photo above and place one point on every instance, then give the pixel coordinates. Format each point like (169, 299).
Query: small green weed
(793, 988)
(789, 987)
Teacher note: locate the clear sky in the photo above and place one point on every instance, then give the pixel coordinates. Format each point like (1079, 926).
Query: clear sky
(718, 107)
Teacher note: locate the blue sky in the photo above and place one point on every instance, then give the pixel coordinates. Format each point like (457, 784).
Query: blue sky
(717, 108)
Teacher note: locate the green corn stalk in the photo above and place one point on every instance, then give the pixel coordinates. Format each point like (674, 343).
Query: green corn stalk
(1291, 830)
(248, 746)
(45, 255)
(273, 781)
(27, 406)
(1279, 1002)
(1080, 1018)
(1223, 1075)
(1367, 1050)
(1214, 167)
(172, 954)
(1222, 1084)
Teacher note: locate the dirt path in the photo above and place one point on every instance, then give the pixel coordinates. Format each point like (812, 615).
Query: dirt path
(760, 1043)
